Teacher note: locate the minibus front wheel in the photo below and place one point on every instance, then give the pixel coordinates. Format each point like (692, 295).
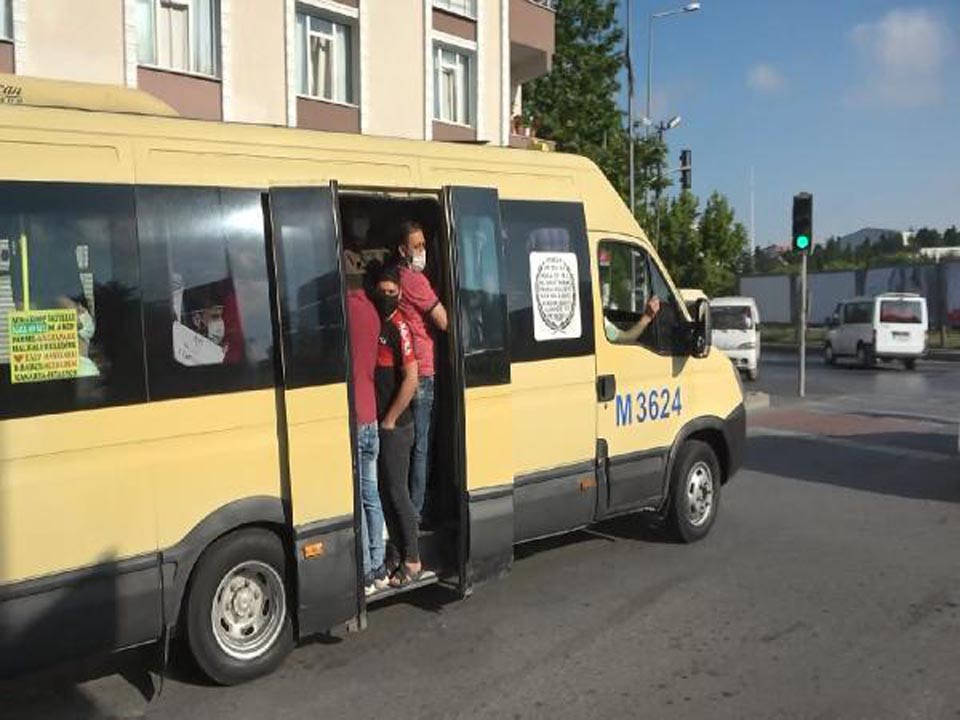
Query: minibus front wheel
(695, 491)
(237, 614)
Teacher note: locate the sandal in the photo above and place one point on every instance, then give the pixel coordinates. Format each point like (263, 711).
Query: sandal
(404, 576)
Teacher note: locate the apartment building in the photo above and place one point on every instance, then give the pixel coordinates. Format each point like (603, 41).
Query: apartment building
(424, 69)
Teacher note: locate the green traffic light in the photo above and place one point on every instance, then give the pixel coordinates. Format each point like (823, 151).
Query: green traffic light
(803, 242)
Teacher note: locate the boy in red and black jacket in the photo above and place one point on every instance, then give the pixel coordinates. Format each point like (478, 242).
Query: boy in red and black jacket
(396, 382)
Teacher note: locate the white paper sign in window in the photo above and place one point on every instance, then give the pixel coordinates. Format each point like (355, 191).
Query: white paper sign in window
(555, 288)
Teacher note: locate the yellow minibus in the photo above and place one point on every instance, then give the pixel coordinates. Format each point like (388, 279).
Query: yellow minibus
(176, 433)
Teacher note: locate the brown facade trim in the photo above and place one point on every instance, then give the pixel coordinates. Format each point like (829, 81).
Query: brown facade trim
(453, 133)
(532, 25)
(320, 115)
(192, 97)
(6, 57)
(454, 24)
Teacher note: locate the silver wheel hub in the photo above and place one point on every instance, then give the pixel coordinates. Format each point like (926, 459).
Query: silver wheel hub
(699, 496)
(248, 610)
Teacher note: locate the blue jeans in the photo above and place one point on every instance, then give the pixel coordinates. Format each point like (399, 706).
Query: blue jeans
(371, 515)
(422, 406)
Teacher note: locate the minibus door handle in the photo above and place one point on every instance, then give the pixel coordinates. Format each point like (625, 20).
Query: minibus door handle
(606, 388)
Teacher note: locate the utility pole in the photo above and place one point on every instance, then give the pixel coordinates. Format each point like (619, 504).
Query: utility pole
(753, 226)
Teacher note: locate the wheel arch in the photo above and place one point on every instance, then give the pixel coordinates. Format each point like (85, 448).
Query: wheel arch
(179, 562)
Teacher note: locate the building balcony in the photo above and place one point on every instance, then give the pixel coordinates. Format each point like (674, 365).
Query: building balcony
(532, 38)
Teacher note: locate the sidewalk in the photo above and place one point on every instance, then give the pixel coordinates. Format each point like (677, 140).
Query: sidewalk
(817, 349)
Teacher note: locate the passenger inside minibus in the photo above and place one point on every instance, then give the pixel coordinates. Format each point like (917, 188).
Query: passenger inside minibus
(372, 225)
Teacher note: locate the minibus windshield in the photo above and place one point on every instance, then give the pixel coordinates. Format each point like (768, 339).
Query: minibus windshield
(732, 318)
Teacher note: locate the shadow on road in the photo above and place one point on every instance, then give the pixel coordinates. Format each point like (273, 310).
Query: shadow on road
(887, 473)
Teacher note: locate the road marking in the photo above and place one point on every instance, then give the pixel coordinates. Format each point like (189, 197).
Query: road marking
(851, 444)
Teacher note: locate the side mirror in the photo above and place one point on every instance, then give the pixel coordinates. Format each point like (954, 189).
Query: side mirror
(701, 329)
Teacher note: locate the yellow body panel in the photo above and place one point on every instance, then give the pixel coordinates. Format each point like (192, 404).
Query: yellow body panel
(707, 386)
(81, 488)
(554, 422)
(489, 431)
(321, 471)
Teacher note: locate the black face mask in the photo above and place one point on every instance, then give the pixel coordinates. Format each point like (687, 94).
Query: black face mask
(386, 304)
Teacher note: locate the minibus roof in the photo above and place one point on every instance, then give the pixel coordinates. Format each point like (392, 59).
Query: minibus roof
(41, 92)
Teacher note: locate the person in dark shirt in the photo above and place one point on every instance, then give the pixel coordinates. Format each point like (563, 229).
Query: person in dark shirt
(396, 384)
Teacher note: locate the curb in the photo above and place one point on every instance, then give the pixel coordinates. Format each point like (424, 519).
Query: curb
(756, 401)
(816, 349)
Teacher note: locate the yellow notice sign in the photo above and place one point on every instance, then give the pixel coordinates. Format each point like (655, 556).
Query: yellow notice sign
(44, 345)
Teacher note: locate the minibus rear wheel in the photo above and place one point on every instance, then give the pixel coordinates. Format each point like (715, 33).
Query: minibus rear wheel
(237, 614)
(695, 491)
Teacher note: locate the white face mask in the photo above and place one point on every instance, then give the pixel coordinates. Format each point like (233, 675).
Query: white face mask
(86, 327)
(216, 330)
(419, 261)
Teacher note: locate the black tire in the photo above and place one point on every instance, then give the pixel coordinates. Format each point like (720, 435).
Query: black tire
(693, 458)
(910, 363)
(255, 550)
(865, 356)
(828, 357)
(753, 375)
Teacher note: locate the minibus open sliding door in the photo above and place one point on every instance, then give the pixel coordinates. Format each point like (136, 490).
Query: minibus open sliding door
(315, 426)
(479, 337)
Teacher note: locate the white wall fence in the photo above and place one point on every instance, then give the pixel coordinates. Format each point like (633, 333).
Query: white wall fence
(778, 296)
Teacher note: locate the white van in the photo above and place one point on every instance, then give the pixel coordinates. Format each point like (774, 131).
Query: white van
(736, 332)
(891, 326)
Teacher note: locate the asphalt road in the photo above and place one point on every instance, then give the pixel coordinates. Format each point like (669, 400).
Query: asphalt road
(829, 588)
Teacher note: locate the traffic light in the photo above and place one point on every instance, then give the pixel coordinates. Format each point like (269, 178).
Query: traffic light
(802, 222)
(686, 170)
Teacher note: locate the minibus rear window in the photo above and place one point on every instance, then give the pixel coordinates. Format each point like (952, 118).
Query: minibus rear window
(905, 312)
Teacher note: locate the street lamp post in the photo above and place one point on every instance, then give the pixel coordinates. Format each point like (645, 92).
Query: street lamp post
(688, 8)
(661, 129)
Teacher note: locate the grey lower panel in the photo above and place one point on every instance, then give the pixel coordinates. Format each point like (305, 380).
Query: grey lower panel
(76, 614)
(635, 480)
(327, 589)
(490, 549)
(554, 501)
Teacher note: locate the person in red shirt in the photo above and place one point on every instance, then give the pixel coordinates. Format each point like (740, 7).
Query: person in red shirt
(396, 384)
(363, 322)
(424, 312)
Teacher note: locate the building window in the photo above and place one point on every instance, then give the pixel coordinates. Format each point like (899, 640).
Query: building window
(452, 86)
(325, 58)
(6, 20)
(178, 34)
(461, 7)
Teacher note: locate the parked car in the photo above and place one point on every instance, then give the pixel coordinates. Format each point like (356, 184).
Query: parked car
(736, 332)
(891, 326)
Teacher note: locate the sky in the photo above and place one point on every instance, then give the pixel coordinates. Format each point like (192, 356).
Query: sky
(855, 101)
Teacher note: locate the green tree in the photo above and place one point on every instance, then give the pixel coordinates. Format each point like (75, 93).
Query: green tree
(575, 104)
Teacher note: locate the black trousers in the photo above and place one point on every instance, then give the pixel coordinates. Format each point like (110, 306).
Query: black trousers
(393, 468)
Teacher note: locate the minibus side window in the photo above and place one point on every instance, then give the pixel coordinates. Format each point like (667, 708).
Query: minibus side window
(314, 339)
(206, 292)
(69, 299)
(628, 279)
(552, 235)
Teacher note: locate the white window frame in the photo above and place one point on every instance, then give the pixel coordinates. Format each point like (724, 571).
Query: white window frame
(468, 12)
(6, 29)
(464, 73)
(352, 58)
(191, 39)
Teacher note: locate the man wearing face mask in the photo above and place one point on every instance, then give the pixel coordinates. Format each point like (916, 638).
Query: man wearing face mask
(396, 384)
(424, 312)
(86, 328)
